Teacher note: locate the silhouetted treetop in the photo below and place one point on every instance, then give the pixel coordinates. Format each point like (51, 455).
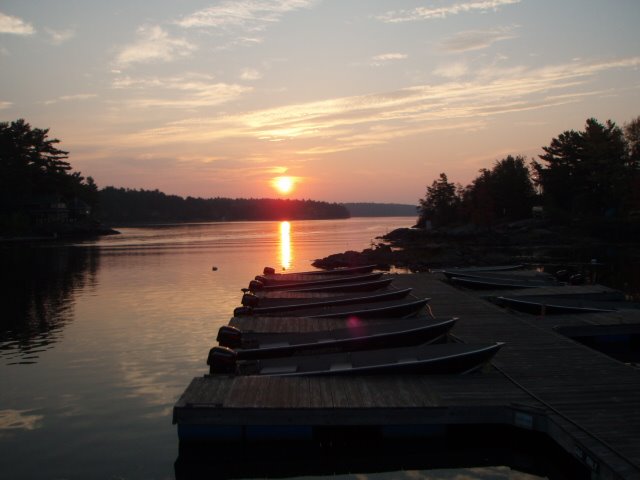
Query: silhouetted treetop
(37, 186)
(586, 173)
(632, 137)
(439, 204)
(582, 176)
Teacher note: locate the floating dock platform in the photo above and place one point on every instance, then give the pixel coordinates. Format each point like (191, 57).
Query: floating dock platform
(541, 381)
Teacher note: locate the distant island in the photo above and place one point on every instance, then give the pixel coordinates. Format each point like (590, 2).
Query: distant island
(120, 206)
(381, 210)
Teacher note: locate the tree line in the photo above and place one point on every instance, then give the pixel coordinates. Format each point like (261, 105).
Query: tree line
(41, 194)
(582, 176)
(586, 175)
(120, 205)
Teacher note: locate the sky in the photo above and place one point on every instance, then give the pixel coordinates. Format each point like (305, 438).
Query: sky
(354, 100)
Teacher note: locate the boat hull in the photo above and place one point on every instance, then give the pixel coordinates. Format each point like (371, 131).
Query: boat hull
(481, 283)
(488, 268)
(310, 281)
(363, 337)
(296, 303)
(383, 309)
(358, 286)
(268, 271)
(450, 358)
(559, 306)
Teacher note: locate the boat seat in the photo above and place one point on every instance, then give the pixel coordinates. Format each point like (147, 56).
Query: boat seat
(407, 360)
(281, 369)
(275, 344)
(340, 366)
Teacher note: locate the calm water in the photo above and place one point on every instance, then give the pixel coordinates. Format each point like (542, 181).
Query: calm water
(102, 337)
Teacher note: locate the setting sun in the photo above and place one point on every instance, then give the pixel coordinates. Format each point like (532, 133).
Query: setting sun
(284, 185)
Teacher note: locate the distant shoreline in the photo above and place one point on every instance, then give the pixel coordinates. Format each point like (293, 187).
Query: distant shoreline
(195, 222)
(65, 233)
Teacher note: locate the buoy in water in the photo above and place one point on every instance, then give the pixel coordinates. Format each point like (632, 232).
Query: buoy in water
(214, 268)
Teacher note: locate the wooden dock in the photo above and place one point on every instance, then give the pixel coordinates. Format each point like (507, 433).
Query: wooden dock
(541, 381)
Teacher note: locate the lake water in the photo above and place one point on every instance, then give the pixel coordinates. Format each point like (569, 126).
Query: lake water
(102, 337)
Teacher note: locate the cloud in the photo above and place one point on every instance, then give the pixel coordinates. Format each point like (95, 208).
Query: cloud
(385, 58)
(68, 98)
(15, 25)
(452, 70)
(154, 45)
(183, 82)
(250, 74)
(4, 105)
(248, 15)
(58, 37)
(349, 123)
(185, 91)
(428, 13)
(476, 39)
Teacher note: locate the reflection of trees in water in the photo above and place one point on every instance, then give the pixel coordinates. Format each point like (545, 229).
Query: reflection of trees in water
(38, 287)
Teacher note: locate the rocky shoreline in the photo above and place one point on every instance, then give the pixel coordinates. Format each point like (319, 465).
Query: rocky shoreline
(533, 241)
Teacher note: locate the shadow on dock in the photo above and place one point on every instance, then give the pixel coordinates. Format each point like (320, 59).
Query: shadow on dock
(483, 450)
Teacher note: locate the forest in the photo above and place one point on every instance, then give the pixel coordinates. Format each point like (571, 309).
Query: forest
(582, 178)
(120, 206)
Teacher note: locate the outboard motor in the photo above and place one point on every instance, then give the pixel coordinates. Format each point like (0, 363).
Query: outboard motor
(250, 300)
(242, 311)
(222, 360)
(577, 279)
(269, 271)
(255, 285)
(229, 336)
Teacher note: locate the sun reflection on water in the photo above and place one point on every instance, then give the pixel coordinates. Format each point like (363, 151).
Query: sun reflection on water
(286, 255)
(19, 420)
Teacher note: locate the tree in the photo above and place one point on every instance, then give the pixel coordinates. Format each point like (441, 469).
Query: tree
(512, 188)
(478, 202)
(440, 204)
(586, 173)
(560, 178)
(632, 137)
(34, 172)
(503, 193)
(29, 160)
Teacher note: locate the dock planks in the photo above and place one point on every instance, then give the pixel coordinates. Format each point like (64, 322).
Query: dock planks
(583, 399)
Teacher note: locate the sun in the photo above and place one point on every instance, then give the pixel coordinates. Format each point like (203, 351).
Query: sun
(283, 185)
